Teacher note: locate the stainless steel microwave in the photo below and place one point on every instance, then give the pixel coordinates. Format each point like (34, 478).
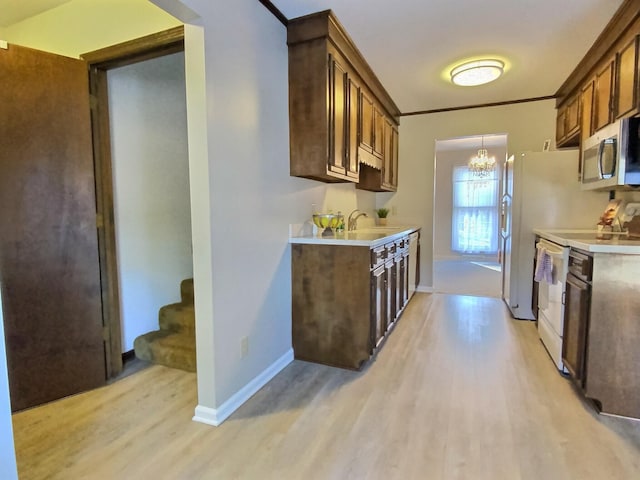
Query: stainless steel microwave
(611, 157)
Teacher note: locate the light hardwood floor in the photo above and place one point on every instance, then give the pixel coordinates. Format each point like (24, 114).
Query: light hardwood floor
(459, 391)
(464, 277)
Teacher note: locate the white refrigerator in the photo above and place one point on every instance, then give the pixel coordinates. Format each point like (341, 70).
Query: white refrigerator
(539, 190)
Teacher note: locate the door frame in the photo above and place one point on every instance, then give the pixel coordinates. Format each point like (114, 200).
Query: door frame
(99, 62)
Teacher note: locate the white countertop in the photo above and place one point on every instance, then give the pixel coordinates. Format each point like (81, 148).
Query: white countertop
(365, 237)
(592, 241)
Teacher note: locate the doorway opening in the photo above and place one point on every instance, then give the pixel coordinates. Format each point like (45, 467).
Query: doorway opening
(140, 149)
(466, 233)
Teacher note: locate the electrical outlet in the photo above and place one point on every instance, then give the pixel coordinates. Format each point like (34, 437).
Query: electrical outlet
(244, 347)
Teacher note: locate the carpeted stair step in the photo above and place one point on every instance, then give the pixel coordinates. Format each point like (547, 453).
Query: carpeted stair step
(186, 291)
(174, 345)
(164, 347)
(178, 317)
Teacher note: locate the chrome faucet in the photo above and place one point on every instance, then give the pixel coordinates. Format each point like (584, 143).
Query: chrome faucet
(352, 223)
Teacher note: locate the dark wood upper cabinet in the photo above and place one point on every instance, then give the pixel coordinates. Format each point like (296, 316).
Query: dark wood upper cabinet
(384, 179)
(337, 106)
(586, 105)
(338, 119)
(561, 122)
(603, 94)
(366, 122)
(627, 79)
(568, 123)
(353, 104)
(379, 121)
(573, 117)
(605, 81)
(390, 166)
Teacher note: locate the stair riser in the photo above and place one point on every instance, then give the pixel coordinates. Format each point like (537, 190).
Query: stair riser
(157, 347)
(186, 291)
(177, 318)
(174, 345)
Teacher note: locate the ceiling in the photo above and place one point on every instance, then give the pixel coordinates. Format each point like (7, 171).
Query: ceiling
(473, 142)
(412, 44)
(14, 11)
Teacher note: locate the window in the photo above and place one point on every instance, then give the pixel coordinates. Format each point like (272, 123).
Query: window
(475, 213)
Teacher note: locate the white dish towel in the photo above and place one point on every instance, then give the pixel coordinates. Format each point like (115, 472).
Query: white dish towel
(544, 267)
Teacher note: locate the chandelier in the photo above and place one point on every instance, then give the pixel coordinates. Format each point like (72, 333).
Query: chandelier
(482, 165)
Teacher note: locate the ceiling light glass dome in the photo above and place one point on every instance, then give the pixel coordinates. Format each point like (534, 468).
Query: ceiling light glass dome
(477, 72)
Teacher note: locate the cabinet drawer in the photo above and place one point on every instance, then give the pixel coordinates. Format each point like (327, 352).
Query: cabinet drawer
(402, 244)
(378, 256)
(391, 249)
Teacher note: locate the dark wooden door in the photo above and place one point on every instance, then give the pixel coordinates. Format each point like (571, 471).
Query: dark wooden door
(49, 267)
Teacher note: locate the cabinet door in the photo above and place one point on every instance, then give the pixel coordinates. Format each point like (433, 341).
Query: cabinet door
(604, 89)
(627, 79)
(353, 127)
(390, 164)
(400, 279)
(560, 125)
(387, 169)
(405, 276)
(337, 117)
(366, 122)
(378, 132)
(379, 305)
(390, 268)
(395, 138)
(576, 322)
(573, 116)
(568, 123)
(586, 119)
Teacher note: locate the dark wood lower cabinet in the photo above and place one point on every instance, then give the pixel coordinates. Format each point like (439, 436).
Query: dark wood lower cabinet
(379, 302)
(576, 324)
(390, 268)
(345, 300)
(602, 330)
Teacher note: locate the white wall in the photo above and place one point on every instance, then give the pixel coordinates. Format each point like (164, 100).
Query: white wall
(148, 116)
(527, 125)
(252, 197)
(8, 470)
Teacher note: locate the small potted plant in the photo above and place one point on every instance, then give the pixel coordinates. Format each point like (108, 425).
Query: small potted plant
(382, 215)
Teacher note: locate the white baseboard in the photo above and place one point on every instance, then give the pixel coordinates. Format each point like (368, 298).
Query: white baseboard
(422, 289)
(215, 416)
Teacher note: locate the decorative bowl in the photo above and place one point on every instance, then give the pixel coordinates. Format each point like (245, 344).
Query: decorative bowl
(327, 221)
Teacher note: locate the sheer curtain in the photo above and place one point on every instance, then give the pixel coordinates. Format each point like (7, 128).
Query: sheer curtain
(475, 213)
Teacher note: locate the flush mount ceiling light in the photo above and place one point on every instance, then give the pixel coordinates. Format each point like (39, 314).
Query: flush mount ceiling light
(477, 72)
